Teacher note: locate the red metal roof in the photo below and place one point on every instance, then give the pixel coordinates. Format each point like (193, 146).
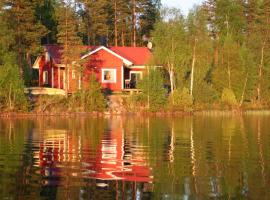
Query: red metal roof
(137, 55)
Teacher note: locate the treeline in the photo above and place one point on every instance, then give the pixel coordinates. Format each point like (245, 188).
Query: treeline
(218, 54)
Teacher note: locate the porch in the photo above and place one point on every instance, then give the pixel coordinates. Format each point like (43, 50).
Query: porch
(131, 79)
(131, 91)
(44, 91)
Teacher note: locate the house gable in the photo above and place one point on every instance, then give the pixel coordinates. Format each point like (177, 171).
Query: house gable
(101, 63)
(125, 61)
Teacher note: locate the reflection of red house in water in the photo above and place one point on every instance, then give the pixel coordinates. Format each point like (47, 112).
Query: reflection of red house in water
(113, 163)
(115, 68)
(110, 161)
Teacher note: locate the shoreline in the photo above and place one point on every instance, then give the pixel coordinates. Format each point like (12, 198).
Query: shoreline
(143, 114)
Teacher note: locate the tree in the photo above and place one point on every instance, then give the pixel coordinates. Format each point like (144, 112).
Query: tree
(119, 12)
(200, 53)
(259, 42)
(93, 99)
(97, 17)
(26, 28)
(68, 38)
(171, 49)
(153, 92)
(45, 11)
(12, 96)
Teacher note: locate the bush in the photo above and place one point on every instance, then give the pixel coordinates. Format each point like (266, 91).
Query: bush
(181, 100)
(228, 97)
(89, 99)
(153, 91)
(12, 97)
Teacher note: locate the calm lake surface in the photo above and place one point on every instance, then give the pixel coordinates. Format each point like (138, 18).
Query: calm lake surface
(135, 158)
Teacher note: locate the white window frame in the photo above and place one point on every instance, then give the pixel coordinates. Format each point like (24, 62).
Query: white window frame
(113, 72)
(45, 77)
(136, 72)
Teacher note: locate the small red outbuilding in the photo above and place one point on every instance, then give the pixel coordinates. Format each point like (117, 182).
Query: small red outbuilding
(115, 68)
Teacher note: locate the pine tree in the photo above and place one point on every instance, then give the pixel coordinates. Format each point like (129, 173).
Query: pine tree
(46, 13)
(26, 28)
(68, 38)
(97, 20)
(149, 17)
(119, 15)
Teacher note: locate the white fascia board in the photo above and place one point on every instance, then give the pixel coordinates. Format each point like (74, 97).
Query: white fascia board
(137, 67)
(126, 62)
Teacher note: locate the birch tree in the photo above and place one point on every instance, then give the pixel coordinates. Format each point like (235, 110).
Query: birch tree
(170, 49)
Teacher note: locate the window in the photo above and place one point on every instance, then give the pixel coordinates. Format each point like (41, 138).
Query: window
(73, 74)
(45, 77)
(108, 75)
(134, 78)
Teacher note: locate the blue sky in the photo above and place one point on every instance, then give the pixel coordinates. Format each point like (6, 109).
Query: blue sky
(184, 5)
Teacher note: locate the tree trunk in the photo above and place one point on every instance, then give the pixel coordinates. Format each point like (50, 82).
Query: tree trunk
(244, 90)
(216, 55)
(19, 44)
(123, 37)
(171, 73)
(193, 68)
(228, 70)
(66, 47)
(115, 24)
(134, 23)
(9, 98)
(260, 73)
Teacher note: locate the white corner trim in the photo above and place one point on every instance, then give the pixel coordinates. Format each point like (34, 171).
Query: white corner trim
(122, 77)
(127, 62)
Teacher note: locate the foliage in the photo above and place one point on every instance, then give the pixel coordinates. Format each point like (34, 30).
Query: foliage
(171, 50)
(89, 99)
(228, 97)
(67, 35)
(92, 96)
(12, 97)
(153, 92)
(25, 28)
(182, 100)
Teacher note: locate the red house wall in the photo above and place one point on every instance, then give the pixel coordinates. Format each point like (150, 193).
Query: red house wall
(103, 60)
(43, 66)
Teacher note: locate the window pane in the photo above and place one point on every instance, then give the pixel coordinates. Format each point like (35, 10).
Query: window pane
(109, 75)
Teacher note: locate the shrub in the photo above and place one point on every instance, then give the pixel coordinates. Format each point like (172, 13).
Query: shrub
(90, 98)
(153, 91)
(181, 100)
(12, 97)
(228, 97)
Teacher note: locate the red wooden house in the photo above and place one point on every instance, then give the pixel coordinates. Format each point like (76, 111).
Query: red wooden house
(115, 68)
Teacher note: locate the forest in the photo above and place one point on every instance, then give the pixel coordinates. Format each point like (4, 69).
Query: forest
(217, 56)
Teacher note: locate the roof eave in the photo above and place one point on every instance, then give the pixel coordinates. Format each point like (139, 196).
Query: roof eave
(125, 61)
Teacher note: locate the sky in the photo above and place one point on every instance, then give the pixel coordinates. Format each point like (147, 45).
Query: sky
(184, 5)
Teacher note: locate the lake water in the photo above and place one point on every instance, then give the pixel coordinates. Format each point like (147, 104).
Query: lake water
(135, 158)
